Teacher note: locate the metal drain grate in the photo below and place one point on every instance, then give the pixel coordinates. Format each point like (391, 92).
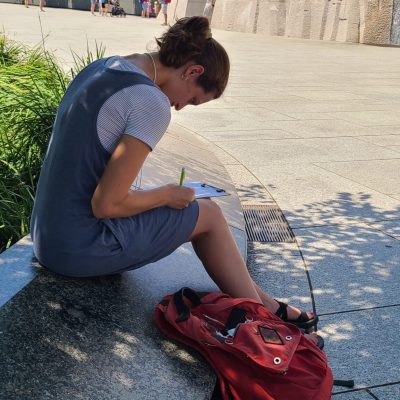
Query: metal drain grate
(266, 224)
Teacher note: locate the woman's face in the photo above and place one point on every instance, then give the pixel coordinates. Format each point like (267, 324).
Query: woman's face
(183, 89)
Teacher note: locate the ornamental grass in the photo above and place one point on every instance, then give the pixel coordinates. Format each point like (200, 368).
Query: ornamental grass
(32, 83)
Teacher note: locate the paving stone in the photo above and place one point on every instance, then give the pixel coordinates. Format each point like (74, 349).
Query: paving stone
(248, 188)
(383, 140)
(224, 157)
(360, 346)
(359, 395)
(310, 195)
(391, 228)
(328, 94)
(295, 108)
(248, 135)
(279, 270)
(380, 175)
(266, 97)
(323, 127)
(394, 130)
(245, 90)
(312, 116)
(220, 119)
(224, 102)
(188, 137)
(387, 392)
(370, 118)
(295, 151)
(351, 267)
(394, 148)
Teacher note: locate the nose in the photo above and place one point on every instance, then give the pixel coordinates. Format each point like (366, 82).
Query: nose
(179, 106)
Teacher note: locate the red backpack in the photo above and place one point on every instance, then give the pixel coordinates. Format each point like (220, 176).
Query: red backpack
(255, 355)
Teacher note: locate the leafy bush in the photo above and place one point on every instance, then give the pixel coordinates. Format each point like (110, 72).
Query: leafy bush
(32, 84)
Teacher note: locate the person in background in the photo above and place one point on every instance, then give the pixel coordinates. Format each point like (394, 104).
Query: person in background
(102, 7)
(164, 10)
(156, 9)
(41, 4)
(93, 6)
(145, 8)
(108, 7)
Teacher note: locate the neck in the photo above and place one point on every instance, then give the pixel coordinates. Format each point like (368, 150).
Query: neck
(153, 66)
(144, 62)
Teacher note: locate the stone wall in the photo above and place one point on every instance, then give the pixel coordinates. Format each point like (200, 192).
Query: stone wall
(395, 33)
(183, 8)
(357, 21)
(364, 21)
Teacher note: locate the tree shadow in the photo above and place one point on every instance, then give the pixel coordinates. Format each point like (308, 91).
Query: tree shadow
(88, 338)
(349, 246)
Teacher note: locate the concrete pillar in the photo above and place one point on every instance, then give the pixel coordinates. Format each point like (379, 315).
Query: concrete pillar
(375, 21)
(295, 17)
(349, 22)
(183, 8)
(235, 15)
(272, 17)
(395, 31)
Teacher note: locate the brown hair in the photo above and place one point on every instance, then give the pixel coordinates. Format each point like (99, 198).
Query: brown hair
(189, 39)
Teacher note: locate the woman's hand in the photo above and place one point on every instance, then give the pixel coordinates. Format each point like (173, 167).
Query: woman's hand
(178, 196)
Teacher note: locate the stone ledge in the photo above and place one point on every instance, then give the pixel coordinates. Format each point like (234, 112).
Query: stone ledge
(68, 338)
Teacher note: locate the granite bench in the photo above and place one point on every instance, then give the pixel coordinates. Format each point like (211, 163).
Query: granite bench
(64, 338)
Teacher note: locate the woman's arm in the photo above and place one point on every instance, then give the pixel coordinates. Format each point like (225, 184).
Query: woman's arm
(113, 197)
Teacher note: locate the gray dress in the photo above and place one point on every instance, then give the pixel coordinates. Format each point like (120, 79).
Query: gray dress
(67, 238)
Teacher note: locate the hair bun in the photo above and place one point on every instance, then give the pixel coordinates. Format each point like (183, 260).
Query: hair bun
(184, 41)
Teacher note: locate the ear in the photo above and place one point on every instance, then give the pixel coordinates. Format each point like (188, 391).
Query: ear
(194, 71)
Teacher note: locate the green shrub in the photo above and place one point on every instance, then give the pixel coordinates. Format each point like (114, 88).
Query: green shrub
(32, 84)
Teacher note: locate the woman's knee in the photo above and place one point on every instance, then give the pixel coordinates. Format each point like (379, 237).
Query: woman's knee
(210, 218)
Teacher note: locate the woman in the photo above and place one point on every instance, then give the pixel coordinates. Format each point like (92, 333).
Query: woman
(86, 221)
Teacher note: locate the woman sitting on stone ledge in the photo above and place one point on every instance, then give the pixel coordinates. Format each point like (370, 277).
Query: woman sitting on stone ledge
(86, 220)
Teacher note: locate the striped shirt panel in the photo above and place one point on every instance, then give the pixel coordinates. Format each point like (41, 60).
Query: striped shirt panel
(141, 111)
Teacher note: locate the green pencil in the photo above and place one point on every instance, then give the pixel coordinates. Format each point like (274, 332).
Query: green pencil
(182, 178)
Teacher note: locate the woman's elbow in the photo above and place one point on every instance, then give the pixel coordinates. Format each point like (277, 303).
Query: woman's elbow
(100, 209)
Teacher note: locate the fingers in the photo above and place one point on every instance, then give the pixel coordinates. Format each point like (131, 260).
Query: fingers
(180, 196)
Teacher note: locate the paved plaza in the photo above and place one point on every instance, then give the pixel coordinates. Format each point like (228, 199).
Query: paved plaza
(314, 128)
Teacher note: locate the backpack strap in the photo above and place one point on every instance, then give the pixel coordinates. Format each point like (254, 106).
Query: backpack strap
(349, 383)
(182, 308)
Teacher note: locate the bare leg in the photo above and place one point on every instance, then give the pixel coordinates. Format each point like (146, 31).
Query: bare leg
(215, 246)
(213, 242)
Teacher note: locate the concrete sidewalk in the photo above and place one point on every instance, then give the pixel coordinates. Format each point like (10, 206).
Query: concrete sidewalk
(313, 127)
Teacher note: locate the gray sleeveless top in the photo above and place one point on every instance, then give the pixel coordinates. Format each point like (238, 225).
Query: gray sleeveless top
(63, 227)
